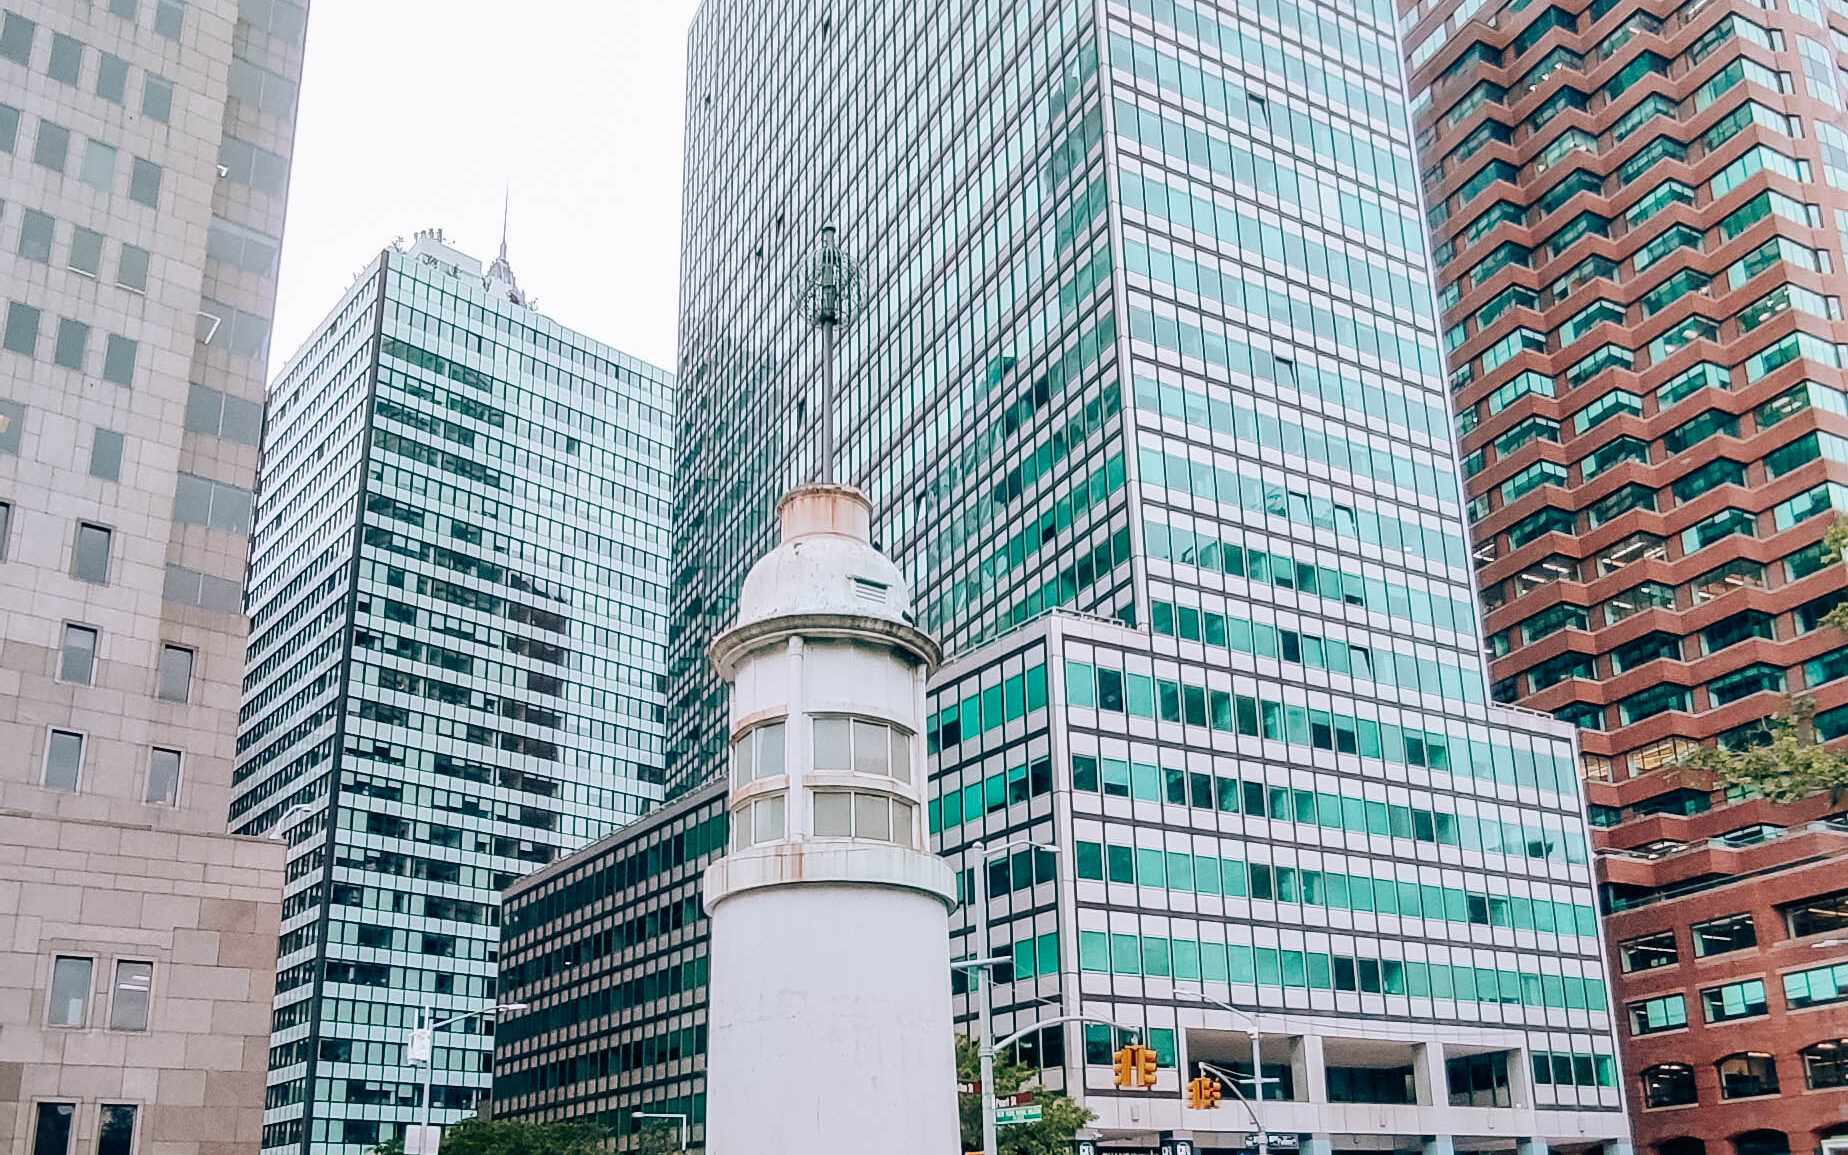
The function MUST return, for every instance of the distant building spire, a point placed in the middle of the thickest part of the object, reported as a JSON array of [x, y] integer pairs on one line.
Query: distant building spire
[[500, 273]]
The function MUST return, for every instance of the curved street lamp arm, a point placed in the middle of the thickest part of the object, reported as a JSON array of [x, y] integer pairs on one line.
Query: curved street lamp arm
[[1027, 1030], [1231, 1080]]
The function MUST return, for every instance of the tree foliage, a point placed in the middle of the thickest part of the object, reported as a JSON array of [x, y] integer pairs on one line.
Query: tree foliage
[[1833, 543], [516, 1137], [1791, 762], [1052, 1135]]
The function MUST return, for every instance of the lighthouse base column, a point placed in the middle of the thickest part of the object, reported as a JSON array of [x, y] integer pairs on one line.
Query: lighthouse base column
[[829, 1023]]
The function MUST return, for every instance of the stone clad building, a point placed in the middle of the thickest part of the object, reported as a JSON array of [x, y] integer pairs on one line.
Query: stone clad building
[[144, 166]]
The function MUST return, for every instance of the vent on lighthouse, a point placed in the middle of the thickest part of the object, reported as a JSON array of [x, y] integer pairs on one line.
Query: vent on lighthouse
[[869, 591]]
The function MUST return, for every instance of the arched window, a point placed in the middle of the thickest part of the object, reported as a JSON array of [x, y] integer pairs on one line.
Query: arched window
[[1762, 1143], [1825, 1064], [1668, 1085], [1747, 1074], [1681, 1145]]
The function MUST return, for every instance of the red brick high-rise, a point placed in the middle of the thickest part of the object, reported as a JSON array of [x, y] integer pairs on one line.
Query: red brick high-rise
[[1638, 212]]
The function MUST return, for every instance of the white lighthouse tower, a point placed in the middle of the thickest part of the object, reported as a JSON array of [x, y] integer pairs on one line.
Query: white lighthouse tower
[[829, 1020]]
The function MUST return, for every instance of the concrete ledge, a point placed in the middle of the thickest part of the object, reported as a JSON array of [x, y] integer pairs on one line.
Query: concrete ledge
[[830, 862]]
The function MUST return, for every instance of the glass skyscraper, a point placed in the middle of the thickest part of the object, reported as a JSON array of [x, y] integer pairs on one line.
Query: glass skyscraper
[[457, 604], [1146, 332]]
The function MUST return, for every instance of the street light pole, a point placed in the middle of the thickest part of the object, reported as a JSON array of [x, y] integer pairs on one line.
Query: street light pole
[[1257, 1061], [423, 1040], [981, 968]]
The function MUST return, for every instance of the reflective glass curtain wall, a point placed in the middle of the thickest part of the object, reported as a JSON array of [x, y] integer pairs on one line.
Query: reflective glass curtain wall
[[454, 677]]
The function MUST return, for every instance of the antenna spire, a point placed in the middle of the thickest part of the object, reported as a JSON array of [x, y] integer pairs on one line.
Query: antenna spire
[[506, 212], [828, 298], [500, 273]]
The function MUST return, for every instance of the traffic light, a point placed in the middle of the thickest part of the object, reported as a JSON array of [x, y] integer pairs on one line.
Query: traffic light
[[1145, 1065], [1126, 1066], [1203, 1094]]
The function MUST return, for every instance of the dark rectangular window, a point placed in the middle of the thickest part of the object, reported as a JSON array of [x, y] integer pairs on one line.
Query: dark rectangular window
[[116, 1133], [51, 1133], [1648, 952], [1722, 935], [1824, 914]]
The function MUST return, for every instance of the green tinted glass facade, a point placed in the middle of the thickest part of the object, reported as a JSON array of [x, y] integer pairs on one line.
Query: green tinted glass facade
[[458, 631]]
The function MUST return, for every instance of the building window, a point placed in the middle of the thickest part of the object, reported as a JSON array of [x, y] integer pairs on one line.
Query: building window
[[850, 814], [1723, 935], [106, 455], [174, 683], [1669, 1085], [51, 1133], [78, 661], [115, 1135], [71, 979], [1744, 1000], [1479, 1080], [1648, 952], [63, 761], [6, 526], [128, 1005], [1667, 1013], [22, 329], [1746, 1075], [1824, 914], [760, 821], [90, 557], [758, 754], [843, 744], [1371, 1085], [1825, 1064], [164, 777]]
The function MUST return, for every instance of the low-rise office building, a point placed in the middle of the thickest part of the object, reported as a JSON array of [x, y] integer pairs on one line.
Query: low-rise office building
[[608, 950]]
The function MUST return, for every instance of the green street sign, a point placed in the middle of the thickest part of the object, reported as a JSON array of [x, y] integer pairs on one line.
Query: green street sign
[[1028, 1114]]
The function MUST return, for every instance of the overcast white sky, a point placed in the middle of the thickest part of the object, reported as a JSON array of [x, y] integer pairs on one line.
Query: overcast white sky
[[416, 113]]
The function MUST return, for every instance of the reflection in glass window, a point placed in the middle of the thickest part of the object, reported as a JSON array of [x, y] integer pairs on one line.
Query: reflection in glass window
[[71, 978]]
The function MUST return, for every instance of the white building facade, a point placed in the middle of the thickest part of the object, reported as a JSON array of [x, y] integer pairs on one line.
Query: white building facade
[[1400, 903]]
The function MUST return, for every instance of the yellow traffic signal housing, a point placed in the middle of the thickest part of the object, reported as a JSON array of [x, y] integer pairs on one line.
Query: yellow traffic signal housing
[[1203, 1094], [1146, 1064], [1126, 1066]]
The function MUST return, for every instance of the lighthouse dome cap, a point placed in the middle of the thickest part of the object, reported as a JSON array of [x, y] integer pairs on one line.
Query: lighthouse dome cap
[[825, 564]]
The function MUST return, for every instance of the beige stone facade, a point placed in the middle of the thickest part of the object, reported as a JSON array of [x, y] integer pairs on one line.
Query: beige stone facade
[[202, 910], [144, 161]]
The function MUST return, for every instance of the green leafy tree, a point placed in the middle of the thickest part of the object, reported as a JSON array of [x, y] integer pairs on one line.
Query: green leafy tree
[[1833, 543], [1791, 762], [1060, 1116], [516, 1137]]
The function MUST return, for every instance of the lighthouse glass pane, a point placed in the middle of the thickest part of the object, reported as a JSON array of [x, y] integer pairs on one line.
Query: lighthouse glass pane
[[767, 819], [769, 756], [872, 817], [741, 759], [833, 814], [832, 744], [871, 748], [901, 756]]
